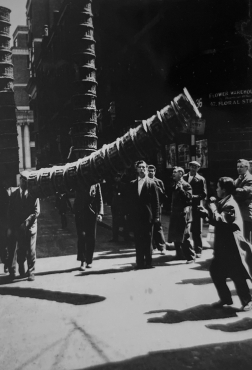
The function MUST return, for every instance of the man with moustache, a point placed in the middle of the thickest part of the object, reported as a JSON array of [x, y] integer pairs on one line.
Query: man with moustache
[[179, 231], [199, 192], [158, 233], [144, 212]]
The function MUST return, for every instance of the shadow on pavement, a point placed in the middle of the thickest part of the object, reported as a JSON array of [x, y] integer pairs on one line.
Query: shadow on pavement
[[231, 356], [112, 270], [240, 325], [49, 295], [202, 312], [202, 281], [203, 265]]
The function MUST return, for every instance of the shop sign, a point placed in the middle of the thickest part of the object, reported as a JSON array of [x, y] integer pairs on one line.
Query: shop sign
[[195, 127], [230, 98]]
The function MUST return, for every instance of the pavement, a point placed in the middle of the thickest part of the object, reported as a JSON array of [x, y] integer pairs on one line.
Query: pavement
[[115, 317]]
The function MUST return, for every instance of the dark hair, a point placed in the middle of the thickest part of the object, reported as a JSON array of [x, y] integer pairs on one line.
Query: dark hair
[[179, 169], [227, 183], [245, 162], [140, 162], [151, 167]]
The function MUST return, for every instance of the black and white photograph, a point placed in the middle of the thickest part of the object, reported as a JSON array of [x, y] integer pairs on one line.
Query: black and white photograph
[[126, 184]]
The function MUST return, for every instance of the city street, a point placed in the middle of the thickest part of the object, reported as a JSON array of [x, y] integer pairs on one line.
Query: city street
[[115, 317]]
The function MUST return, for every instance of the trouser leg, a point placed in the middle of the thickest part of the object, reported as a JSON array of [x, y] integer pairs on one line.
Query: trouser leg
[[115, 225], [218, 275], [81, 242], [197, 241], [12, 255], [139, 248], [248, 230], [31, 253], [147, 246], [178, 249], [158, 236], [187, 248], [90, 239]]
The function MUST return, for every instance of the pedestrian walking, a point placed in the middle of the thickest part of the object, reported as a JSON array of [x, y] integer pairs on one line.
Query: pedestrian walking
[[179, 227], [144, 213], [88, 209], [199, 192], [243, 196], [23, 212], [63, 204], [232, 253], [158, 239]]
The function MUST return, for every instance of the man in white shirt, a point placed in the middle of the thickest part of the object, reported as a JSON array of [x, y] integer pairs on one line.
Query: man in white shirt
[[145, 211]]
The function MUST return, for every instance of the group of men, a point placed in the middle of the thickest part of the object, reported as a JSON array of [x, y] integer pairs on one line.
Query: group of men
[[231, 216]]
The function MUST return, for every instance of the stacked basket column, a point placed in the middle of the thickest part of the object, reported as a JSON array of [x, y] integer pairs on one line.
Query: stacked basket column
[[84, 87], [9, 162]]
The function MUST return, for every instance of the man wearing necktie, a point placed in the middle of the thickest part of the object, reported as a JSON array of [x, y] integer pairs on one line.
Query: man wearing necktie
[[144, 212], [199, 192], [243, 195], [179, 231], [23, 212]]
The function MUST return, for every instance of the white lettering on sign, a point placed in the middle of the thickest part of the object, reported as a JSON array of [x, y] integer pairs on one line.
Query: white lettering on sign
[[228, 98]]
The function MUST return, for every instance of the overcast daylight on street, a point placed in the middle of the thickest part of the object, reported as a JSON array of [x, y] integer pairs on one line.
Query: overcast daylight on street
[[126, 184]]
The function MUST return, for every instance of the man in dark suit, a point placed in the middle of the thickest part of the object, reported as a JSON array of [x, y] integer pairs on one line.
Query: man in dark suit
[[179, 230], [243, 196], [158, 233], [23, 212], [199, 192], [144, 213], [232, 253], [88, 209]]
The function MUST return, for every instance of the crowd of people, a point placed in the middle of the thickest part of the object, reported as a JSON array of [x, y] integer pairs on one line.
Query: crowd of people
[[136, 205]]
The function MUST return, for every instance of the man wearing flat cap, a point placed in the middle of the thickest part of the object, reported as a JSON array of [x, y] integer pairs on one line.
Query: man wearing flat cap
[[243, 196], [23, 212], [199, 192]]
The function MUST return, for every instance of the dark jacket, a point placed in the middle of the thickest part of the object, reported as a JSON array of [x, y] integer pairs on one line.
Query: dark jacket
[[229, 244], [161, 190], [89, 200], [199, 192], [23, 211], [199, 189], [144, 207], [180, 212], [243, 196]]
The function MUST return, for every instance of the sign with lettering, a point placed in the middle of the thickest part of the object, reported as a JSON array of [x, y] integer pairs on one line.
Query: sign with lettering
[[230, 98]]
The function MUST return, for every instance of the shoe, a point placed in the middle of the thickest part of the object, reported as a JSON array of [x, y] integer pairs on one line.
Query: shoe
[[248, 306], [21, 270], [31, 276], [190, 261], [169, 246], [6, 269], [82, 267], [149, 267], [221, 303], [89, 265]]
